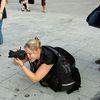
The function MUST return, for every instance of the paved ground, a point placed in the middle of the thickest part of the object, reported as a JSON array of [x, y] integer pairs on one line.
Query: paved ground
[[63, 25]]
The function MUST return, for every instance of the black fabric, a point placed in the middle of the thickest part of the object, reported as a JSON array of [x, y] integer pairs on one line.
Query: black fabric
[[75, 75], [56, 72], [75, 71], [46, 57], [67, 55], [31, 1], [4, 13], [77, 78], [43, 2], [61, 72], [93, 18]]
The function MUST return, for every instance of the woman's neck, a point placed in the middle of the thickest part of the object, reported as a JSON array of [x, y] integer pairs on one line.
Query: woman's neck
[[39, 54]]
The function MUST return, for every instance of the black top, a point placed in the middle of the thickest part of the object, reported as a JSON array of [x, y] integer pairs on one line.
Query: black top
[[4, 13], [46, 57], [49, 57]]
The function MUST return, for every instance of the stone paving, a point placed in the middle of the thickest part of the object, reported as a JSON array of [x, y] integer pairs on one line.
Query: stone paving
[[64, 24]]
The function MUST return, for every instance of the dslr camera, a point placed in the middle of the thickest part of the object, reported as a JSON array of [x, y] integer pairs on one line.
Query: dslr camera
[[21, 54]]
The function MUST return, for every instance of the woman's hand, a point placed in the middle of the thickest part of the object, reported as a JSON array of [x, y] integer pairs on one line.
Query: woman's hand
[[18, 62]]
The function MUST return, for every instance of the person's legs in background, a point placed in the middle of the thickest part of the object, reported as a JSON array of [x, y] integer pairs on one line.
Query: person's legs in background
[[1, 35], [24, 5], [43, 3], [27, 6]]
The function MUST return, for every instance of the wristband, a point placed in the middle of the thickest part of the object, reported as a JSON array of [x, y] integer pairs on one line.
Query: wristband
[[21, 66]]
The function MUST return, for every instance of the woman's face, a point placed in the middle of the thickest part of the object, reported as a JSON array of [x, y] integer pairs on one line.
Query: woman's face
[[32, 56]]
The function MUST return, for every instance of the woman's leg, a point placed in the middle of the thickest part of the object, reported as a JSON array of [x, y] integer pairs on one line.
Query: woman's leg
[[1, 35], [27, 6], [43, 3]]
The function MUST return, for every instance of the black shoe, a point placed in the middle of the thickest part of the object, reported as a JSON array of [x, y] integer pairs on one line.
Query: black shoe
[[22, 10], [44, 84], [25, 6], [71, 90], [97, 61], [28, 10]]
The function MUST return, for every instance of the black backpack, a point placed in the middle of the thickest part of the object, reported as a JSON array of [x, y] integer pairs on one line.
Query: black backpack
[[65, 76]]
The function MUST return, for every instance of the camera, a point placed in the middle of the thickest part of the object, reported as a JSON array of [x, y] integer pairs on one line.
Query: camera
[[21, 54]]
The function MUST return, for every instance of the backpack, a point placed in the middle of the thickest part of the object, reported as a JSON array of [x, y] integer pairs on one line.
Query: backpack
[[65, 76]]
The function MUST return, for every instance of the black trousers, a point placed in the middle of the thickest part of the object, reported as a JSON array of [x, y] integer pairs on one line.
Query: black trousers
[[43, 2], [31, 1]]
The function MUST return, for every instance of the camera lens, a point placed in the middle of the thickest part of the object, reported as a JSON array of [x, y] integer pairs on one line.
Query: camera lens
[[21, 54]]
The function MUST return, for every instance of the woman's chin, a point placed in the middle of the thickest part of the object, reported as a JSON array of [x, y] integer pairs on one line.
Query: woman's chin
[[32, 60]]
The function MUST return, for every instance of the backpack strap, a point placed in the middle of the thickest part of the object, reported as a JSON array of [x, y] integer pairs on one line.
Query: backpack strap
[[53, 50]]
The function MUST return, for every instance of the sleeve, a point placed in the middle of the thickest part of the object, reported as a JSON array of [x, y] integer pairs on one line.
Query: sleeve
[[50, 59]]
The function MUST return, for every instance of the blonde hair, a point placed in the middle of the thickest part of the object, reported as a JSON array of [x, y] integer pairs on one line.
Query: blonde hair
[[33, 44]]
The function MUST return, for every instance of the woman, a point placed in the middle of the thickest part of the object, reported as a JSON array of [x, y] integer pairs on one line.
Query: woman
[[2, 16], [44, 62]]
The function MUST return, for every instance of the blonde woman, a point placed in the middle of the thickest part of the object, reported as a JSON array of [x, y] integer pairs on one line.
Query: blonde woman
[[42, 65]]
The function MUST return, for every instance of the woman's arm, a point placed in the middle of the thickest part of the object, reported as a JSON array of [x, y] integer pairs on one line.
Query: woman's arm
[[38, 75], [2, 6]]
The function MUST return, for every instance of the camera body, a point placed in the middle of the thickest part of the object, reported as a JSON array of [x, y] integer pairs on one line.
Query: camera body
[[21, 54]]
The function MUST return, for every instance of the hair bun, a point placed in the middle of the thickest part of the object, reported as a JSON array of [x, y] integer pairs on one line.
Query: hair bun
[[36, 38]]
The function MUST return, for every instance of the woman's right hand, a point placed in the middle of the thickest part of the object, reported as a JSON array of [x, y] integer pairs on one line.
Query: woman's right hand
[[17, 61]]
